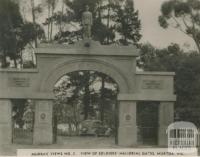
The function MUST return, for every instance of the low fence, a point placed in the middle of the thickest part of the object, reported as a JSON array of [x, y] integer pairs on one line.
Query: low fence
[[147, 135], [22, 136], [184, 138]]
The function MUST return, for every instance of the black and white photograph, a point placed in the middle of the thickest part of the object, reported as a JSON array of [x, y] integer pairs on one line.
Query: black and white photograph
[[99, 78]]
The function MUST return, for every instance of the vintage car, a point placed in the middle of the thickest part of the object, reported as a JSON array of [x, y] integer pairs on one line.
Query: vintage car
[[93, 128]]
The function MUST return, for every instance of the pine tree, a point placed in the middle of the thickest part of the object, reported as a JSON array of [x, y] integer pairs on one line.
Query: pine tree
[[127, 23]]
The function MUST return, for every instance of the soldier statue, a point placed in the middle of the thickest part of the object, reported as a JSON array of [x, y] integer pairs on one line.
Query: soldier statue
[[87, 23]]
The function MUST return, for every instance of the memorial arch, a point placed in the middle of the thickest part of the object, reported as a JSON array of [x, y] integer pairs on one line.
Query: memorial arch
[[118, 62], [85, 64]]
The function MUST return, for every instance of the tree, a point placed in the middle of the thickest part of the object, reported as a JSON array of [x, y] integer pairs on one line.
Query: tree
[[76, 8], [183, 15], [35, 10], [80, 99], [51, 4], [186, 67], [23, 113], [188, 89], [19, 107], [166, 59], [28, 33], [106, 22], [127, 23], [14, 33], [73, 98], [11, 21]]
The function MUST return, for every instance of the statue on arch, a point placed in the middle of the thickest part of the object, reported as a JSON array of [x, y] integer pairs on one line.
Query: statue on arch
[[87, 22]]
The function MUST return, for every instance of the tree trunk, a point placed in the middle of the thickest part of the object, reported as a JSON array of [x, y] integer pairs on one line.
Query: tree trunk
[[108, 23], [75, 111], [34, 19], [4, 62], [125, 40], [51, 29], [61, 18], [196, 42], [21, 59], [116, 121], [48, 26], [55, 128], [70, 127], [77, 129], [102, 97], [15, 62], [51, 25], [86, 101]]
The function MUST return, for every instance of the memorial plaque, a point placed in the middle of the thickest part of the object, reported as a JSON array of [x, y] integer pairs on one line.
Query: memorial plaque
[[19, 82], [43, 116], [152, 84]]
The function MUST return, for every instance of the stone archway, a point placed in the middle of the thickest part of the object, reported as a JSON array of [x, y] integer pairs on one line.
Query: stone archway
[[85, 64], [94, 90], [61, 69], [118, 62]]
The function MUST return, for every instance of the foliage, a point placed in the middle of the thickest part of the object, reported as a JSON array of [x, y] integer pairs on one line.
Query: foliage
[[19, 109], [128, 24], [107, 26], [183, 15], [78, 7], [187, 84], [27, 33], [68, 37], [11, 20], [23, 111], [49, 21], [79, 99], [35, 10], [147, 113], [14, 33], [110, 20], [166, 59]]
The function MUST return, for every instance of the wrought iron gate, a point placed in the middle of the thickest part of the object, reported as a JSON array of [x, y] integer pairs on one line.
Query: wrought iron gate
[[23, 124]]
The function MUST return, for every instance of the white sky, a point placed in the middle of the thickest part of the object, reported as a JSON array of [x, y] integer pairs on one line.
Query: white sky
[[149, 10]]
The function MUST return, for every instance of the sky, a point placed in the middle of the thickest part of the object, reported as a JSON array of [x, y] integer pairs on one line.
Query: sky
[[149, 10]]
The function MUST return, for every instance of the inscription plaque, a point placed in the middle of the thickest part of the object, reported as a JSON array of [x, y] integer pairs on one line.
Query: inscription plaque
[[152, 84], [19, 82]]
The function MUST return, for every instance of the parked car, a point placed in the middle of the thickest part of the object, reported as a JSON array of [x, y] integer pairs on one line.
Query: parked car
[[93, 128]]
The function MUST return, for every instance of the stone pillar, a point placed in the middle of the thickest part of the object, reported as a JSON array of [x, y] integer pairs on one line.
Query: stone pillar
[[127, 131], [43, 131], [166, 117], [5, 122]]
